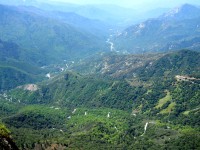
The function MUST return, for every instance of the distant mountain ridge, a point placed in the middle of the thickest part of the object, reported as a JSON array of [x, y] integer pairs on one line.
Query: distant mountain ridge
[[177, 29], [114, 15], [48, 39], [185, 11]]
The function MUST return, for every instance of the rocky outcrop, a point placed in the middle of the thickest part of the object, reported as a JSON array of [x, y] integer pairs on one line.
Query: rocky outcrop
[[6, 143]]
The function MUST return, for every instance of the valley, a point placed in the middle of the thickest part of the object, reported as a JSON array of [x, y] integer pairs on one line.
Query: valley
[[96, 77]]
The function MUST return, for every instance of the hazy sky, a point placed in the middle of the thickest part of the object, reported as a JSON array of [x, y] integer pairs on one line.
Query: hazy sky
[[135, 3]]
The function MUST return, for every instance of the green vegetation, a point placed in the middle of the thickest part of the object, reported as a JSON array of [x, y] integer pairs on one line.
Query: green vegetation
[[184, 62], [124, 101], [4, 131], [11, 77], [75, 110], [92, 92], [96, 100], [46, 117], [14, 71], [164, 100], [44, 39], [169, 109]]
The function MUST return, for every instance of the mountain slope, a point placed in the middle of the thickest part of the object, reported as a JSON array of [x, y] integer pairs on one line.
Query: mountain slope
[[113, 65], [95, 27], [11, 77], [47, 39], [182, 12], [93, 92], [158, 76], [160, 112], [184, 62], [172, 31], [140, 65], [14, 68], [92, 26]]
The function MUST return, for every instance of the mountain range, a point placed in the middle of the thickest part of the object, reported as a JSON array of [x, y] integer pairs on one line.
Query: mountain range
[[62, 88], [114, 15], [177, 29], [44, 38]]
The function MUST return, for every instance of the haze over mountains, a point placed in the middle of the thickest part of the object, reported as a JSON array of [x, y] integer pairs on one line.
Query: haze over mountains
[[176, 29], [50, 37], [99, 76], [109, 13], [88, 36]]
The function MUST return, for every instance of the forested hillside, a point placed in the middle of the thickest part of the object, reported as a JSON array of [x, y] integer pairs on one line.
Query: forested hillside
[[110, 112], [45, 39]]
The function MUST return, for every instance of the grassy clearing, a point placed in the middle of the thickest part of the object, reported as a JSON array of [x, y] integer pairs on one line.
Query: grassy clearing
[[186, 112], [169, 108], [164, 100]]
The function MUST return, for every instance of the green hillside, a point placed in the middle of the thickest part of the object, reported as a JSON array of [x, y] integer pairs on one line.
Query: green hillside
[[44, 39], [17, 69], [72, 90], [184, 62], [71, 110]]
